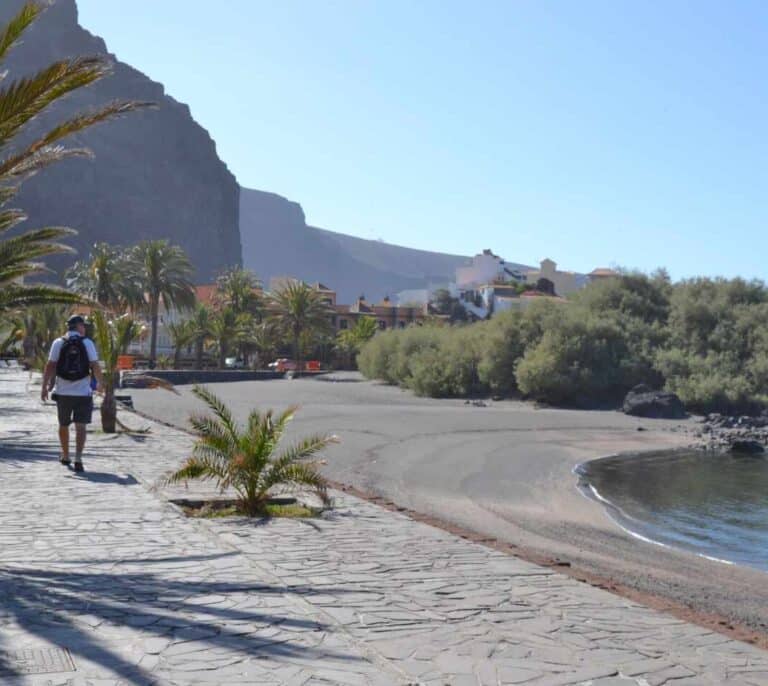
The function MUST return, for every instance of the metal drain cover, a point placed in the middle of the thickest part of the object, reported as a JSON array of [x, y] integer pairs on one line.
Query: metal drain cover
[[35, 661]]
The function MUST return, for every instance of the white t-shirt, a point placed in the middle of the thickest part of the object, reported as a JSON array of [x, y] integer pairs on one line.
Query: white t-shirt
[[81, 386]]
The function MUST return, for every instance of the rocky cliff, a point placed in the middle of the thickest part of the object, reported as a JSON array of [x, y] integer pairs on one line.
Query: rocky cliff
[[278, 242], [156, 173]]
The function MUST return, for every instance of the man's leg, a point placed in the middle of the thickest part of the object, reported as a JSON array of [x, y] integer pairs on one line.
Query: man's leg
[[64, 440], [82, 417], [79, 442], [64, 411]]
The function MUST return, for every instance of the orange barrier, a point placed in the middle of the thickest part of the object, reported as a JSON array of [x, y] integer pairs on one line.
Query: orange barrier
[[125, 362]]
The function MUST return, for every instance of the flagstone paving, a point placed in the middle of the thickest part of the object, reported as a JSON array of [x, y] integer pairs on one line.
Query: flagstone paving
[[101, 575]]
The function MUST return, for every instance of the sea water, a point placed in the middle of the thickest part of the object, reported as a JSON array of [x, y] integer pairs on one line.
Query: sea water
[[712, 504]]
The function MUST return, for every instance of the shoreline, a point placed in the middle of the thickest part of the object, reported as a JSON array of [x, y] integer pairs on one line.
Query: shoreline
[[715, 622], [503, 477]]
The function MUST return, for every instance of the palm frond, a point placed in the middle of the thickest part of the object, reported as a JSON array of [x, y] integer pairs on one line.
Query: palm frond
[[43, 151], [300, 475], [26, 97], [24, 166], [10, 218], [18, 254], [13, 30], [284, 418], [212, 432], [219, 408], [306, 448], [153, 383], [253, 423], [30, 238], [14, 296], [6, 193], [195, 468]]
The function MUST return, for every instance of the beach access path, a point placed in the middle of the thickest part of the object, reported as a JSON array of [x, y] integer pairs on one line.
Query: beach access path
[[103, 582]]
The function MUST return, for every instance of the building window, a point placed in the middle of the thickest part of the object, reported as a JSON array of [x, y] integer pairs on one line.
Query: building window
[[343, 324], [382, 324]]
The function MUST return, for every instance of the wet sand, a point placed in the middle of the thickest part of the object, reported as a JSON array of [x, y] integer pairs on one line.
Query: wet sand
[[502, 474]]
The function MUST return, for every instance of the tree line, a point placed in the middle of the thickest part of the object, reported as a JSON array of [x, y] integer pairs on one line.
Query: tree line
[[153, 279], [705, 339]]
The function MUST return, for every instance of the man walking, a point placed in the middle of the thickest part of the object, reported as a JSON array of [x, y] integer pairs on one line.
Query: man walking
[[70, 362]]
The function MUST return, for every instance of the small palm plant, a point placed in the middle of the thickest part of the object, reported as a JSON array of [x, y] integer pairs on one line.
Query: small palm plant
[[247, 459], [112, 339]]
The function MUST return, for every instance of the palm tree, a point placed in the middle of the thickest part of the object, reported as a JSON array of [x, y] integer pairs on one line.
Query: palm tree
[[12, 334], [299, 310], [21, 101], [264, 338], [246, 459], [39, 326], [349, 341], [112, 339], [229, 329], [182, 334], [201, 331], [162, 273], [239, 288], [105, 278]]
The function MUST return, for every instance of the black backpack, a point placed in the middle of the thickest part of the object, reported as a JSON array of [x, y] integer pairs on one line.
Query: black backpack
[[73, 363]]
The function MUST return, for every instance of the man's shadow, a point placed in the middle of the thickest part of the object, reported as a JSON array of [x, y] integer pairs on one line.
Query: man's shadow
[[105, 478]]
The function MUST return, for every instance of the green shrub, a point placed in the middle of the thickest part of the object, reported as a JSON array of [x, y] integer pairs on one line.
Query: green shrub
[[412, 342], [579, 360], [504, 346], [378, 356], [705, 339], [429, 375]]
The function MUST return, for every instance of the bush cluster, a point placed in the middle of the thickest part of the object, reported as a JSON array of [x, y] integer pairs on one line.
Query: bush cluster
[[704, 339]]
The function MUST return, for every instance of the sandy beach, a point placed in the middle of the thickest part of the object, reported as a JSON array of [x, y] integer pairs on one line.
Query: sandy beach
[[502, 473]]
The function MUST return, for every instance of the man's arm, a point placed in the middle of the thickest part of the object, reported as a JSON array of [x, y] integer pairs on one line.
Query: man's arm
[[93, 358], [96, 369], [49, 379]]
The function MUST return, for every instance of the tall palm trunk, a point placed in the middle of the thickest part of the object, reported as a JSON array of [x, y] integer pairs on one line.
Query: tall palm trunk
[[199, 353], [154, 318], [222, 353], [297, 347]]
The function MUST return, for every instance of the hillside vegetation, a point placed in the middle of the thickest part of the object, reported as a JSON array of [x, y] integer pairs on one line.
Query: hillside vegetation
[[704, 339]]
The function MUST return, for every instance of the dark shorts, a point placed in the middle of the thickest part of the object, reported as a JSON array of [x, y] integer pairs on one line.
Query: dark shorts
[[74, 408]]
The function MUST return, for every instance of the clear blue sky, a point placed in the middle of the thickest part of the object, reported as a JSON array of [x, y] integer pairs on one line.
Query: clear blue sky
[[595, 133]]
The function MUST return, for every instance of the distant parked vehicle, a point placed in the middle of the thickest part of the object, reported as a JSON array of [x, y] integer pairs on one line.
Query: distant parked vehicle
[[234, 363], [283, 364]]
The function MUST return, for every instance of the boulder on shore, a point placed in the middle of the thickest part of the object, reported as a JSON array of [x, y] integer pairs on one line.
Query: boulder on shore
[[747, 447], [643, 401]]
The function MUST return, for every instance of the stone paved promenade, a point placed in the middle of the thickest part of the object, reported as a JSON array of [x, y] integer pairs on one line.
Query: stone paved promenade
[[104, 583]]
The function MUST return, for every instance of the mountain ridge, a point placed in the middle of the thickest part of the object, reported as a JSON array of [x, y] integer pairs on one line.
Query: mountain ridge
[[349, 265], [155, 174]]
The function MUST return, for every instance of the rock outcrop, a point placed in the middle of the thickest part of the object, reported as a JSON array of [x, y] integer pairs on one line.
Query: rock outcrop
[[642, 401], [738, 434], [156, 174], [747, 447]]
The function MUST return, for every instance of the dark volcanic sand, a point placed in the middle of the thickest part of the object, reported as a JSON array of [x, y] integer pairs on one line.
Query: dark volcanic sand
[[502, 472]]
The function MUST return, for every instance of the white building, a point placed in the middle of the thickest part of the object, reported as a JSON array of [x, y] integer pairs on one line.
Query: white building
[[564, 283], [485, 268]]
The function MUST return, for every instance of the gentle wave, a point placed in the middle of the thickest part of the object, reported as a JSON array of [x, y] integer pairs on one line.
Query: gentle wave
[[714, 506]]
